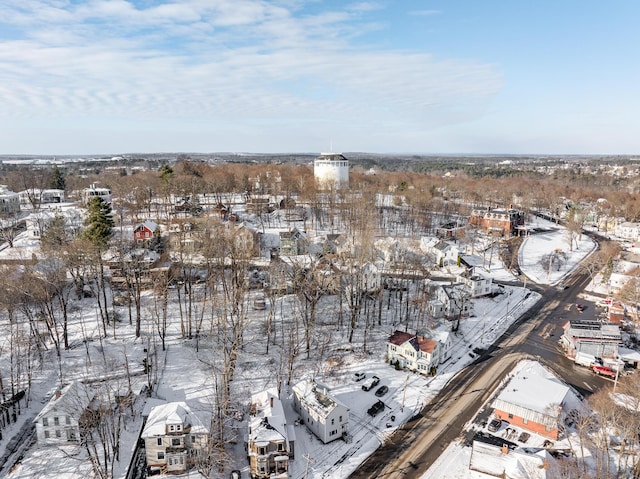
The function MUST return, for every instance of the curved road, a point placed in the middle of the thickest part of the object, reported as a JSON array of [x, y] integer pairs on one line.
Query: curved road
[[416, 445]]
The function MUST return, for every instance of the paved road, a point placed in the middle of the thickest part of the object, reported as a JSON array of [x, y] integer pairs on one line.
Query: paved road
[[415, 446]]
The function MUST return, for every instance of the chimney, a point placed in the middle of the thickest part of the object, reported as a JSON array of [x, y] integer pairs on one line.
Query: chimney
[[271, 401]]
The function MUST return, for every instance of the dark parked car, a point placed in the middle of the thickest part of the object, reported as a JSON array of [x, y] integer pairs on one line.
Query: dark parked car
[[376, 408], [382, 390], [494, 425]]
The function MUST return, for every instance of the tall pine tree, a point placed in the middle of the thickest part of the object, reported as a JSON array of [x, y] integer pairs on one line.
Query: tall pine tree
[[99, 224]]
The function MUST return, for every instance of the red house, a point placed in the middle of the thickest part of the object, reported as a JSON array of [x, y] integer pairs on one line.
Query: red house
[[145, 231]]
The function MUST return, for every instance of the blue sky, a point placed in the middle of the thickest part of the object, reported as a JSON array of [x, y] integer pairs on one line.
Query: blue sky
[[420, 76]]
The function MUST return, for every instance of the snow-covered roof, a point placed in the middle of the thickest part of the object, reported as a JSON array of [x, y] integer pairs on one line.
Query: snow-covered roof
[[268, 422], [532, 395], [72, 399], [172, 413], [524, 463], [316, 397]]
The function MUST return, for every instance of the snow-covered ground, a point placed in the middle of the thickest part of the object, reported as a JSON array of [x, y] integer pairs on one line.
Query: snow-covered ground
[[454, 462], [185, 374]]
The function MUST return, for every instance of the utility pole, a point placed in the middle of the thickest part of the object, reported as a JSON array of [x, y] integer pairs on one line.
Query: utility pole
[[404, 392]]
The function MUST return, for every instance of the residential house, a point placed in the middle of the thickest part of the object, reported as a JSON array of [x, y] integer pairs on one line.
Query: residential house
[[59, 420], [498, 221], [9, 201], [292, 242], [627, 230], [533, 402], [35, 197], [477, 283], [270, 444], [443, 252], [93, 191], [413, 352], [591, 337], [322, 413], [175, 438], [452, 230], [450, 301], [145, 231], [513, 463]]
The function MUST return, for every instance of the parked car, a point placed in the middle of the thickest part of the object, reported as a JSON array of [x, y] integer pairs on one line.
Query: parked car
[[580, 307], [494, 425], [524, 436], [603, 371], [359, 376], [376, 408], [382, 390], [371, 383], [235, 474], [561, 286]]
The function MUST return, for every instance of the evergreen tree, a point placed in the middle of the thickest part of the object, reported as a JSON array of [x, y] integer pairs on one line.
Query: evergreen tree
[[57, 179], [99, 223]]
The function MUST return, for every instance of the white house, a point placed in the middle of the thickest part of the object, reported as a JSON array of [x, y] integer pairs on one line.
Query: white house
[[94, 190], [174, 438], [413, 352], [9, 201], [451, 301], [322, 413], [477, 283], [58, 422], [36, 196], [443, 252], [627, 230], [270, 443]]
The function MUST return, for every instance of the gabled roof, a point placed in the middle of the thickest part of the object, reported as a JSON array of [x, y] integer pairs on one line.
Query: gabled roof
[[399, 338], [150, 225], [72, 399], [419, 343], [268, 421], [172, 413]]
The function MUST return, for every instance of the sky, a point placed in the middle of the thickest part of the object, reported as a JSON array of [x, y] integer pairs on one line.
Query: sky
[[381, 76]]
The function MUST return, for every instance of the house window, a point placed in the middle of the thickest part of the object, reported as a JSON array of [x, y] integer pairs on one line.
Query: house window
[[280, 446], [45, 421], [71, 435], [262, 451], [160, 455], [172, 428], [46, 434], [67, 420], [56, 421], [333, 421], [159, 441], [178, 427], [193, 439], [58, 433], [510, 416], [175, 441], [340, 419], [525, 421]]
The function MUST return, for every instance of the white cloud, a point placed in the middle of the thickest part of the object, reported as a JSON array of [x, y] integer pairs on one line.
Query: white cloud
[[248, 60]]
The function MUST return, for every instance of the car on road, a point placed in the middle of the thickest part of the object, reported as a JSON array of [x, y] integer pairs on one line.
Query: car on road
[[371, 383], [561, 286], [382, 390], [494, 425], [376, 408], [359, 376]]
